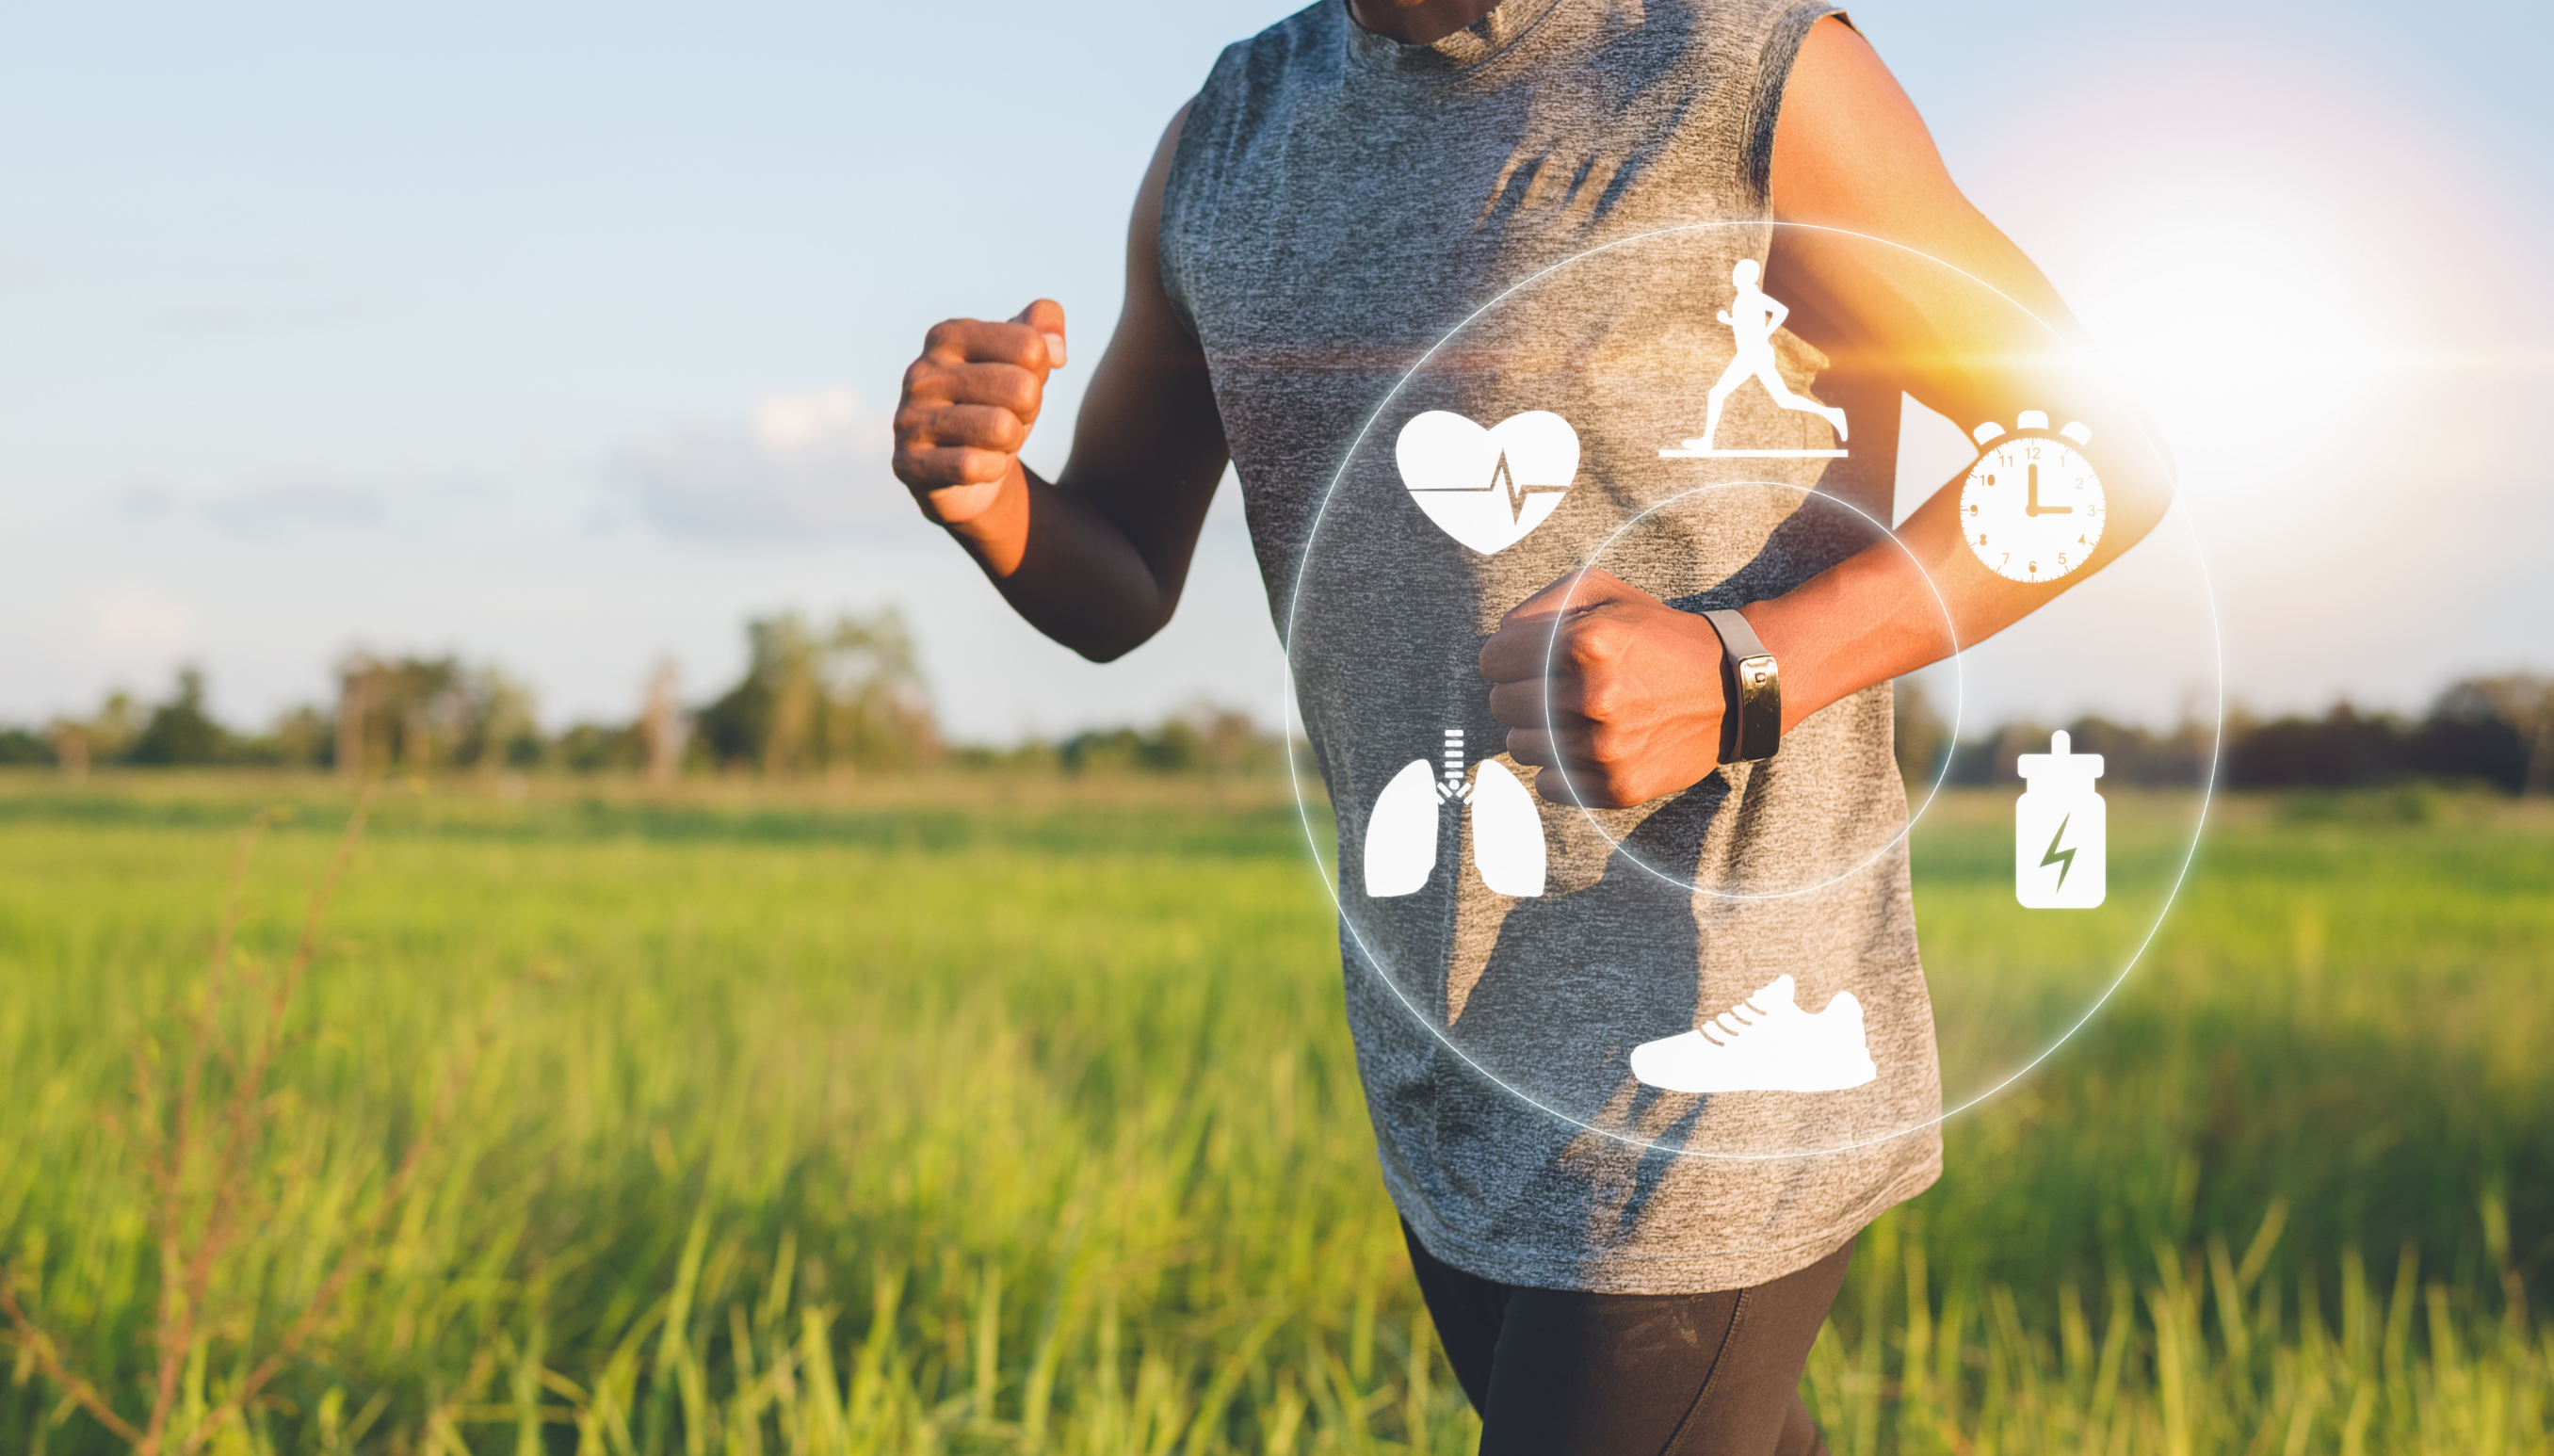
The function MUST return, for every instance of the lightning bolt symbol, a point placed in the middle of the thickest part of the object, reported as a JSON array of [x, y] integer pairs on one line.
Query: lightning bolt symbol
[[2063, 859]]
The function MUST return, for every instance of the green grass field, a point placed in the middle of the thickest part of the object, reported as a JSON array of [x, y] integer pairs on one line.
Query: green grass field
[[982, 1116]]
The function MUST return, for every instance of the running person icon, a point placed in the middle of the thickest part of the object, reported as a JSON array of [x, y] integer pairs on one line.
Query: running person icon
[[1752, 315]]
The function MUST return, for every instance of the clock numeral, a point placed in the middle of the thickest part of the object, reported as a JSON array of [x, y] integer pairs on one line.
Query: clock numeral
[[2061, 561], [2031, 452], [2008, 557]]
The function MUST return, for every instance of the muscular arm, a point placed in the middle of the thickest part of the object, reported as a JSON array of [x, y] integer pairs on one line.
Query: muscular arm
[[1850, 153], [1095, 558], [1636, 695]]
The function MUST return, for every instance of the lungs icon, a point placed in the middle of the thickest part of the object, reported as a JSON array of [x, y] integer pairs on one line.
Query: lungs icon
[[1507, 832], [1401, 833]]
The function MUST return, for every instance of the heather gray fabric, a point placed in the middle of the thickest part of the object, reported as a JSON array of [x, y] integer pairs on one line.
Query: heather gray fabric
[[1339, 202]]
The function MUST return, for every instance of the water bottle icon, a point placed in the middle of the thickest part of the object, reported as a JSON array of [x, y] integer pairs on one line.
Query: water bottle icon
[[2060, 830]]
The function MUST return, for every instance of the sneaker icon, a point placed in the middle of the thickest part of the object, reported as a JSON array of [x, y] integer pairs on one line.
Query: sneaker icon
[[1765, 1043]]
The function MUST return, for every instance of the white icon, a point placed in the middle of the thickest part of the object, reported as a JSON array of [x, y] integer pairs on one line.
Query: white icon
[[1765, 1043], [1487, 487], [2031, 508], [2058, 830], [1401, 833], [1753, 315]]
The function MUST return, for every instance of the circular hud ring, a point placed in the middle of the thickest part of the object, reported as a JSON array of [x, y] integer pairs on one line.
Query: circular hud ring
[[1690, 451]]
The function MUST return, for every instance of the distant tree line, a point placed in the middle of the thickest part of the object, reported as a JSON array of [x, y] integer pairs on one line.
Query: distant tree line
[[848, 697], [2484, 731], [816, 699], [1200, 739], [836, 698]]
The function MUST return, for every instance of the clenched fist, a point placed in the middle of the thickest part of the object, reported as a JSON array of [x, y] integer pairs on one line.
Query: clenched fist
[[1631, 685], [969, 405]]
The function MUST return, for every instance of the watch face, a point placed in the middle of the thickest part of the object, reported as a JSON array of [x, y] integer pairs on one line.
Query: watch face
[[2032, 508]]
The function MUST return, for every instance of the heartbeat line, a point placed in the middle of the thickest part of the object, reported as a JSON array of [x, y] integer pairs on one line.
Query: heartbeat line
[[2064, 860], [1501, 477]]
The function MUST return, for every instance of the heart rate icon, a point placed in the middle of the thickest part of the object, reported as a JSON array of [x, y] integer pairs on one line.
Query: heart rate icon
[[1487, 488]]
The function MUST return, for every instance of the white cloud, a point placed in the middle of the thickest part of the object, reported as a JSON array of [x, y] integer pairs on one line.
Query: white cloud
[[287, 506], [304, 501], [812, 462], [131, 629]]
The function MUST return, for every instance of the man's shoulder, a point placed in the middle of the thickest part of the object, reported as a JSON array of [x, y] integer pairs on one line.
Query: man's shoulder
[[1253, 77], [1308, 39]]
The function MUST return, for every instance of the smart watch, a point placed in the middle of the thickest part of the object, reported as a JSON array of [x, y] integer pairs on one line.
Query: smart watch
[[1751, 718]]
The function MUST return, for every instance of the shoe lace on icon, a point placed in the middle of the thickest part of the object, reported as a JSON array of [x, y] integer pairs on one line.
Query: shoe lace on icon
[[1732, 1024]]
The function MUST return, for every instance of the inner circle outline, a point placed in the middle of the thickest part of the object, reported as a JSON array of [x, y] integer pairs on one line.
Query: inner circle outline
[[1959, 691]]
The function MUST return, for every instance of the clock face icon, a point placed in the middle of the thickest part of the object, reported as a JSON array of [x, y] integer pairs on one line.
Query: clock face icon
[[2032, 509]]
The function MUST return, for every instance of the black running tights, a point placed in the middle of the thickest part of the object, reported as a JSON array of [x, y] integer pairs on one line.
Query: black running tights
[[1563, 1373]]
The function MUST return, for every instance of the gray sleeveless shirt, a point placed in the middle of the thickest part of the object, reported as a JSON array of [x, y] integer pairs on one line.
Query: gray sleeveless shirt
[[1341, 210]]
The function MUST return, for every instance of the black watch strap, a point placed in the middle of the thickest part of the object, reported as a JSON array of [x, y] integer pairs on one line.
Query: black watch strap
[[1751, 716]]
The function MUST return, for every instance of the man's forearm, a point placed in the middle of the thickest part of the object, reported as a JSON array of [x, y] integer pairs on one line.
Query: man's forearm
[[1895, 607], [1867, 620], [1067, 568]]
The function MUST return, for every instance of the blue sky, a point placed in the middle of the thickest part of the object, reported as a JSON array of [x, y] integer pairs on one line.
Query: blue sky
[[566, 339]]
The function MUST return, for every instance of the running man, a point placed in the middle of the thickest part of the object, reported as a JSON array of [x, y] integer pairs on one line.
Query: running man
[[1347, 187], [1753, 315]]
